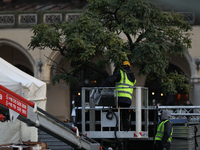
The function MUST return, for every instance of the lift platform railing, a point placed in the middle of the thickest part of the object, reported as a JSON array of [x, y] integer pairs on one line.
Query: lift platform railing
[[94, 117]]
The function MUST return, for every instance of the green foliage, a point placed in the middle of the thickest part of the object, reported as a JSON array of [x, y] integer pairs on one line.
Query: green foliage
[[151, 35], [45, 36], [174, 82]]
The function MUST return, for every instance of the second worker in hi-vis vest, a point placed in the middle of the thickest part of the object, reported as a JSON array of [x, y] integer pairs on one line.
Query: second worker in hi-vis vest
[[123, 78], [164, 133]]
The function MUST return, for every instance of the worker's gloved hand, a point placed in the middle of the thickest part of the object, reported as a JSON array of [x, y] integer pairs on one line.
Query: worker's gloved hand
[[159, 145], [166, 146]]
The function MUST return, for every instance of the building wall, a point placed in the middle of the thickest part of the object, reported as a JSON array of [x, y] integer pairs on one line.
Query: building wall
[[58, 96]]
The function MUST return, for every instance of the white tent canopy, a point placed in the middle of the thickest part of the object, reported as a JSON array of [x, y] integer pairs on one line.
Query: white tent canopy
[[21, 83], [28, 87]]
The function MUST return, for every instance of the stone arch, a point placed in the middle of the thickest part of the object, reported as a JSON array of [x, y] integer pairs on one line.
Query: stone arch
[[59, 95], [21, 49], [192, 67], [56, 57], [190, 63], [53, 57], [183, 63]]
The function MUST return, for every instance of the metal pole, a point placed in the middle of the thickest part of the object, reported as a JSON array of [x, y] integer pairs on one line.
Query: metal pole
[[83, 110], [138, 110], [145, 95], [92, 116]]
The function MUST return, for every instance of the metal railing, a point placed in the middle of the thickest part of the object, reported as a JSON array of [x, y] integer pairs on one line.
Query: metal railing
[[191, 113], [94, 121]]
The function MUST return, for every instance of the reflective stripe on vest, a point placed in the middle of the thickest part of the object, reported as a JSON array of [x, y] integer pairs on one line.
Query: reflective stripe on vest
[[124, 82], [160, 131]]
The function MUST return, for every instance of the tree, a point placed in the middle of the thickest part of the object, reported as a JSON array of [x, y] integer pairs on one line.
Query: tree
[[151, 36]]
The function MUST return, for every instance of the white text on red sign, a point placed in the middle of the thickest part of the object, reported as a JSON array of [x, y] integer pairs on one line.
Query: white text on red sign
[[16, 105]]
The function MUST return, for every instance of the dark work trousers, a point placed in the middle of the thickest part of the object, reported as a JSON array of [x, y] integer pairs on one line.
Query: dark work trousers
[[159, 146], [124, 113]]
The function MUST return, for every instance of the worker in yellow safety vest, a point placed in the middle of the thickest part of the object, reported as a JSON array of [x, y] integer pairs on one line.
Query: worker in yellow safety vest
[[123, 78], [164, 133]]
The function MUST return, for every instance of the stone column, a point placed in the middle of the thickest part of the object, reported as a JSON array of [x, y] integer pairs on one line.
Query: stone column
[[196, 98], [195, 81]]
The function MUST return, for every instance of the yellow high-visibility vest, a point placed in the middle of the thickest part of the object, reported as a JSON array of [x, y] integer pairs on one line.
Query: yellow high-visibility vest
[[160, 131], [125, 82]]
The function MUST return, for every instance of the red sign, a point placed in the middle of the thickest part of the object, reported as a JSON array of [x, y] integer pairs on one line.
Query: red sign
[[13, 103]]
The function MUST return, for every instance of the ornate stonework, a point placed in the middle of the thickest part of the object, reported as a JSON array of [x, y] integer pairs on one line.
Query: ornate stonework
[[27, 19], [188, 16], [7, 19], [52, 18], [72, 16]]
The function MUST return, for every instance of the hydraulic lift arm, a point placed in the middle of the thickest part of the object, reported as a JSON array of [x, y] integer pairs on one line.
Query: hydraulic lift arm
[[13, 106]]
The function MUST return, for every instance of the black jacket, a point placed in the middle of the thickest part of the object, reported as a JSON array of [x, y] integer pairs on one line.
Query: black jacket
[[116, 77], [167, 131], [163, 143]]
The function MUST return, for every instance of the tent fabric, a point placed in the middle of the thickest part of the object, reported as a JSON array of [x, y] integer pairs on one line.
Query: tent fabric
[[28, 87], [21, 82], [7, 135]]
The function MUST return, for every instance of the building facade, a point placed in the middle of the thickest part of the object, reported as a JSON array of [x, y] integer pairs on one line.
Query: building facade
[[16, 20]]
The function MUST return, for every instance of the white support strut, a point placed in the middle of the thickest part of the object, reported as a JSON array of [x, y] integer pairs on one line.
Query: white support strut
[[138, 111]]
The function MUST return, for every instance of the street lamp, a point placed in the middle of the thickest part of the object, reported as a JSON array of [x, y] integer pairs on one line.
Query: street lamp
[[197, 62]]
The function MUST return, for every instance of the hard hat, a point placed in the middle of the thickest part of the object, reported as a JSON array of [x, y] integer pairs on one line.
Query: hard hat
[[126, 63]]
